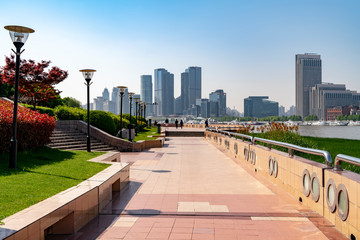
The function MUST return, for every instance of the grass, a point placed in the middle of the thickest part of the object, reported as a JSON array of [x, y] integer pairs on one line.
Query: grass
[[40, 174], [144, 135], [336, 146]]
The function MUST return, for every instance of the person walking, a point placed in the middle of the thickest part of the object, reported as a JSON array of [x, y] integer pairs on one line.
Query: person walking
[[176, 123], [181, 123], [206, 123]]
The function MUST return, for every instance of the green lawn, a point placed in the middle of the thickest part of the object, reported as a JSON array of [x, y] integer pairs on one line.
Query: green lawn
[[145, 133], [40, 174], [337, 145]]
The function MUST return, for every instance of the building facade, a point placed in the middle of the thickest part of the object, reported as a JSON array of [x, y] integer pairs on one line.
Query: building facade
[[329, 95], [308, 74], [218, 96], [190, 86], [259, 106], [164, 92], [146, 90]]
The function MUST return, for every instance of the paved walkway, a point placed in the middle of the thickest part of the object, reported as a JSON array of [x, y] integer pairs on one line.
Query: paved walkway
[[191, 190]]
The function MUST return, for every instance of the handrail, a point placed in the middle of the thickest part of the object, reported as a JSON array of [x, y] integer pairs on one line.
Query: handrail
[[345, 158], [292, 147], [251, 138]]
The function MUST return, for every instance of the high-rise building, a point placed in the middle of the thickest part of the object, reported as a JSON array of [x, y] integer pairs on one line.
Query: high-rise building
[[105, 94], [308, 74], [178, 108], [164, 92], [190, 86], [185, 91], [98, 103], [115, 98], [218, 96], [281, 111], [146, 88], [259, 106], [205, 108], [329, 95]]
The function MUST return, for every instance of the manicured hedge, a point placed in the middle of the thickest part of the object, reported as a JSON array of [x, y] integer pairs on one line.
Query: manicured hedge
[[69, 113], [47, 110], [33, 128], [102, 120]]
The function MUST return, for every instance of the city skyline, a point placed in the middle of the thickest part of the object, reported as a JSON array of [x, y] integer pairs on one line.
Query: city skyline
[[246, 48]]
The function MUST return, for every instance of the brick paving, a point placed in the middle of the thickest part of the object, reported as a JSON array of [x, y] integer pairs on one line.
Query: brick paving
[[191, 190]]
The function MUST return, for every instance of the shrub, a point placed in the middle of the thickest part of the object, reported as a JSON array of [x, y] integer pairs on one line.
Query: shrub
[[127, 117], [102, 120], [69, 113], [42, 110], [34, 128]]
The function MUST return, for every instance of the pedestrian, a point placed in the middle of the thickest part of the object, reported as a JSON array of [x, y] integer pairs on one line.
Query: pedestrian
[[166, 122], [206, 123], [181, 123], [176, 123]]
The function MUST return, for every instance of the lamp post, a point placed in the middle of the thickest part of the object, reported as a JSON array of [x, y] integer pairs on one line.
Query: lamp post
[[137, 99], [18, 35], [131, 94], [122, 91], [88, 74]]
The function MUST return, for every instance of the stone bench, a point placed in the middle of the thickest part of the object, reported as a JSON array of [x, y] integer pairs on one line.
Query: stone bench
[[68, 211]]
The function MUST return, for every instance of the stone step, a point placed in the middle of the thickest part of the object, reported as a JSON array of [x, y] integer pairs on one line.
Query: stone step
[[75, 140]]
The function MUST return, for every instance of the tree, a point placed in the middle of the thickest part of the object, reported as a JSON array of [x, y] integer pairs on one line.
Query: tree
[[311, 118], [36, 84], [71, 102]]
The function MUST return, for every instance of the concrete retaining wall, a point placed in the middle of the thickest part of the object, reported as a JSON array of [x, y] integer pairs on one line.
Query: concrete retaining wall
[[70, 210], [291, 174]]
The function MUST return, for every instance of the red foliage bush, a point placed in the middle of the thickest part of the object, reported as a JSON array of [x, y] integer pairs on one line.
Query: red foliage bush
[[33, 129]]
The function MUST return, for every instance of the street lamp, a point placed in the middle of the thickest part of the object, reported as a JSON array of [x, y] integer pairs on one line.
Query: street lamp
[[131, 94], [122, 91], [137, 100], [18, 35], [88, 74]]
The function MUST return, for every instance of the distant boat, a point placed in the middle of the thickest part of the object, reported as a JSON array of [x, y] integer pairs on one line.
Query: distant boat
[[337, 123], [354, 123], [319, 123]]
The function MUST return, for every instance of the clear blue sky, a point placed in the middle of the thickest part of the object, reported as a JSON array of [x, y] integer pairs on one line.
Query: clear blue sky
[[244, 47]]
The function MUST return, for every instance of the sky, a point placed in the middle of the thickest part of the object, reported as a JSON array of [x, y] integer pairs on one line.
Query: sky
[[245, 47]]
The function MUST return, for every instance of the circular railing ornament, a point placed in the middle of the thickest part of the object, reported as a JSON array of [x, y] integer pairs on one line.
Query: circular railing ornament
[[306, 182], [271, 166], [253, 156], [342, 202], [275, 167], [236, 148], [331, 195], [246, 153], [315, 187]]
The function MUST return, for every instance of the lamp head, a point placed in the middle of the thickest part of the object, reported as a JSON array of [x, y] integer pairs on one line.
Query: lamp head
[[131, 94], [88, 73], [122, 88], [19, 34]]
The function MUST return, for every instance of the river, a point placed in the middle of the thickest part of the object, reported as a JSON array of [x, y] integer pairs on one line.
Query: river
[[348, 132]]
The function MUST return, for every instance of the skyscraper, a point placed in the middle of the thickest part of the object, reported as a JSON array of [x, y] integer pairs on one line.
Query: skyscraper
[[116, 99], [164, 92], [190, 86], [184, 91], [146, 92], [308, 74], [105, 94], [259, 106], [218, 96]]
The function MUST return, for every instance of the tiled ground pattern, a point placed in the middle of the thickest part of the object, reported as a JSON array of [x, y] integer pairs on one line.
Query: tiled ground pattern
[[191, 190]]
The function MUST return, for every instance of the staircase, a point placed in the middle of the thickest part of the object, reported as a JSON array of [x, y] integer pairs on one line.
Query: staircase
[[71, 139]]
